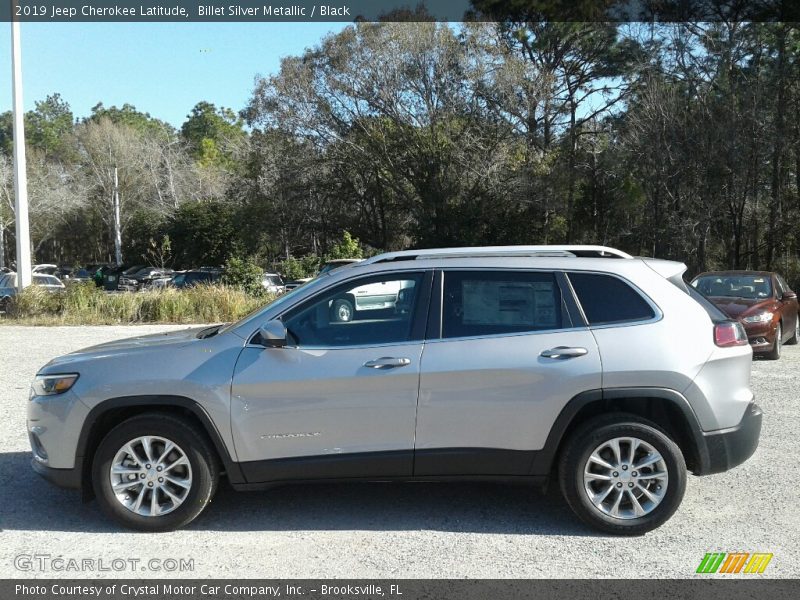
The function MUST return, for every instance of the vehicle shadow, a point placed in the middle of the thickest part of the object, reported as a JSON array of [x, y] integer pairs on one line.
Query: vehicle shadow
[[30, 503]]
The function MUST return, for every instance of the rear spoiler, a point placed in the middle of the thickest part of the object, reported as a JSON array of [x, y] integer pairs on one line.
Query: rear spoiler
[[668, 269]]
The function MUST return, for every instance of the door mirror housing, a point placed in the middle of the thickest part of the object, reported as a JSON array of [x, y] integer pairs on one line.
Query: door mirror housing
[[273, 334], [789, 296]]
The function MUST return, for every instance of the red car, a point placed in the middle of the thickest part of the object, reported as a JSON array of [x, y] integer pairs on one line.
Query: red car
[[761, 301]]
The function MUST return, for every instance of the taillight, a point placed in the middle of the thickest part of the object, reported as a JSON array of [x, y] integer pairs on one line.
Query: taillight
[[729, 333]]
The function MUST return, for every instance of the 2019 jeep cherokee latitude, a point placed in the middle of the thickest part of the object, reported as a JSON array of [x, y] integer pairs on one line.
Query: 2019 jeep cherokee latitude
[[516, 363]]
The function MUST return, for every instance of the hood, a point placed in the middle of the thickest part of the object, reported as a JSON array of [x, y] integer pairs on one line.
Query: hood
[[737, 307], [130, 345]]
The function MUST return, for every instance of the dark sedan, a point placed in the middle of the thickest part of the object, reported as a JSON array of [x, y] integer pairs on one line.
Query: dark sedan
[[761, 301]]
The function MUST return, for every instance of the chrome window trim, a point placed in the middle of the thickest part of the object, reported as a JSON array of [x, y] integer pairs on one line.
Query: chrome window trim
[[495, 336]]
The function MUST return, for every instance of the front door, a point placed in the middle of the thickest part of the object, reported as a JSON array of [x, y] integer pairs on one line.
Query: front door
[[340, 399]]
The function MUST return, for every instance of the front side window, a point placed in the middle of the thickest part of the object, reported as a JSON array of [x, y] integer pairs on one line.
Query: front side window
[[368, 311], [606, 300], [479, 303]]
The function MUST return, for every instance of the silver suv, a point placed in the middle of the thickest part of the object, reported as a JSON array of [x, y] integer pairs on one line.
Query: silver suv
[[579, 363]]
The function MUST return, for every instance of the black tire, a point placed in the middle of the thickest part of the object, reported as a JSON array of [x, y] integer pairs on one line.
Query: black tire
[[775, 352], [592, 434], [792, 341], [201, 456], [342, 311]]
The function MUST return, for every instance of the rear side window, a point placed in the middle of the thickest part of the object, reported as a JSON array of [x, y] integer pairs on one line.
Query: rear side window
[[499, 302], [606, 299]]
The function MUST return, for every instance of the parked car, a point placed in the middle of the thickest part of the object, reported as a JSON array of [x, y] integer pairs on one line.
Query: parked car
[[510, 386], [273, 283], [113, 275], [81, 274], [8, 286], [45, 269], [761, 301], [144, 278], [329, 266], [191, 278]]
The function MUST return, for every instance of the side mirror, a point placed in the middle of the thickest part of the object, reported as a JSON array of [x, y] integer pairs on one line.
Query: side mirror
[[789, 296], [273, 334]]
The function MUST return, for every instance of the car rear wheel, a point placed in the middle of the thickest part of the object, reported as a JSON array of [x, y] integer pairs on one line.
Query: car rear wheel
[[775, 352], [622, 474], [793, 340], [154, 472]]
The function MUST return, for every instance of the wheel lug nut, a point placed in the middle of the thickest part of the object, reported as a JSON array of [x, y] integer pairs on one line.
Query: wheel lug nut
[[148, 466], [630, 485], [635, 474], [619, 485], [141, 476], [624, 467], [160, 480], [159, 469], [150, 484], [615, 474]]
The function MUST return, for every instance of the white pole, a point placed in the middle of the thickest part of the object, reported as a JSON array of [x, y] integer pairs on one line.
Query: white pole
[[117, 230], [20, 175]]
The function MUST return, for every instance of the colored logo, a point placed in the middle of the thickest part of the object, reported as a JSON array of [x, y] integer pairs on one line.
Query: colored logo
[[734, 562]]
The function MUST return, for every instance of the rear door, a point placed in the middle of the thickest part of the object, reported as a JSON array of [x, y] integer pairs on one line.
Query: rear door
[[498, 367]]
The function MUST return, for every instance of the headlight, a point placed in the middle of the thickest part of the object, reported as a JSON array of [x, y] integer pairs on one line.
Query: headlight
[[49, 385], [764, 317]]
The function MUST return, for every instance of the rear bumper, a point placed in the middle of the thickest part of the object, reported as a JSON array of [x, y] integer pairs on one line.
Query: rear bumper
[[723, 450]]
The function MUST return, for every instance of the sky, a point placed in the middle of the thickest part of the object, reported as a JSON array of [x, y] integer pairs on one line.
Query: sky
[[160, 68]]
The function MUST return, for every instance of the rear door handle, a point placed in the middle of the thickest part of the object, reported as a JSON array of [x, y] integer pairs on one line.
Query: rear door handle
[[387, 362], [563, 352]]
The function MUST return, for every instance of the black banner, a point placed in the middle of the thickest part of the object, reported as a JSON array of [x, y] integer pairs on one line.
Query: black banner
[[399, 589], [398, 10]]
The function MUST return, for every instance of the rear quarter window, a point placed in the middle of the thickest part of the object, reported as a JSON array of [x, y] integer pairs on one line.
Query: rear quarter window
[[607, 300]]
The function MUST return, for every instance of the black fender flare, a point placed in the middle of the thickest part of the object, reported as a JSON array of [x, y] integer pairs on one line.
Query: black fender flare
[[544, 459], [232, 467]]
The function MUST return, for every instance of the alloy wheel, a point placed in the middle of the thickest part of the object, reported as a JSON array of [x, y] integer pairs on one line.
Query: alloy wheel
[[625, 478], [151, 476]]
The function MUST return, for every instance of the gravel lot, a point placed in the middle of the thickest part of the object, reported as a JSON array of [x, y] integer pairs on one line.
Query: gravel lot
[[401, 530]]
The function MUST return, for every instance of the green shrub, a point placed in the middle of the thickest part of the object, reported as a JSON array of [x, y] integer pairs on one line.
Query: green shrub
[[298, 268], [348, 247], [244, 274]]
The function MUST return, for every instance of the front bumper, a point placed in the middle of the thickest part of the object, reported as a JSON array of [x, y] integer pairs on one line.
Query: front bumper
[[724, 449], [761, 336], [66, 478]]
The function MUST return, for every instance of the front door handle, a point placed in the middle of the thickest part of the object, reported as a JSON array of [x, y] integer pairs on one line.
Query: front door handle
[[387, 362], [563, 352]]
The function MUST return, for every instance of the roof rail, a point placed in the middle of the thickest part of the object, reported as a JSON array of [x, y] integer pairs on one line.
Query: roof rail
[[571, 251]]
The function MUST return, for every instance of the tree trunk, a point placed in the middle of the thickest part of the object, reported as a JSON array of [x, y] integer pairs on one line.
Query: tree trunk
[[777, 153]]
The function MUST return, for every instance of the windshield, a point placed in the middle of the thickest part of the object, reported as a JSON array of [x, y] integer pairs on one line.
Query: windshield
[[753, 287]]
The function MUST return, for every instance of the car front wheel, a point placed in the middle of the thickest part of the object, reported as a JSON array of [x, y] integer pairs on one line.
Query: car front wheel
[[622, 474], [775, 352], [792, 341], [154, 473]]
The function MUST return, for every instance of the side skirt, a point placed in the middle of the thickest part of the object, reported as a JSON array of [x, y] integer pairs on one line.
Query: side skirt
[[440, 464]]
